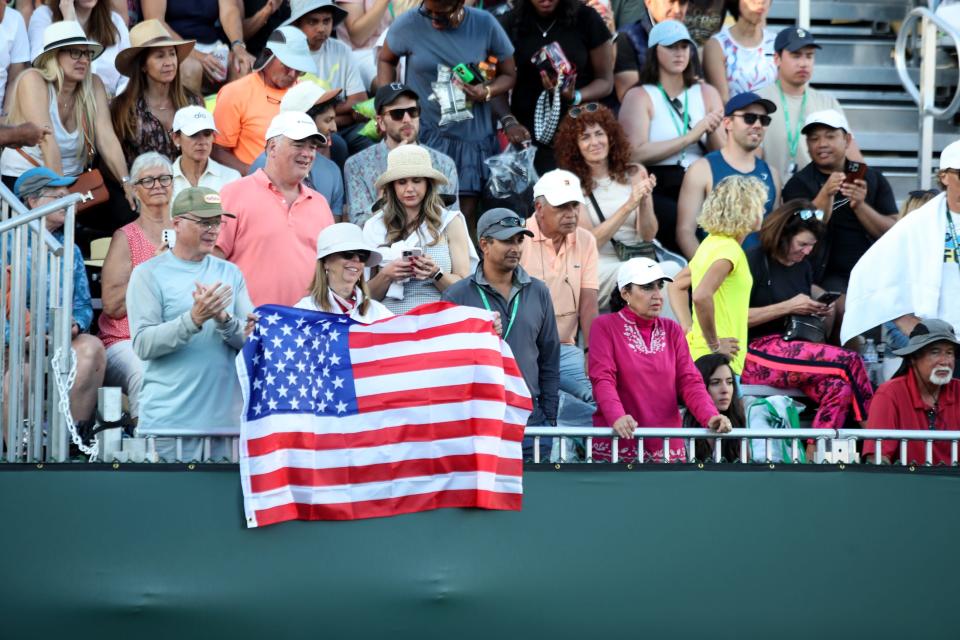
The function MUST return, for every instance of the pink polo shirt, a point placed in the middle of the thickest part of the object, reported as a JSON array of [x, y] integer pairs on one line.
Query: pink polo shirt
[[275, 247]]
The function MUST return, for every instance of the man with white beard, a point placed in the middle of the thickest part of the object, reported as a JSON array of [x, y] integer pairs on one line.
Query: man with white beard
[[922, 395]]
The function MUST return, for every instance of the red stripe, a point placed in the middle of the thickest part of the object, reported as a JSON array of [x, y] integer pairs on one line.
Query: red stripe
[[430, 307], [511, 368], [364, 339], [464, 498], [520, 402], [432, 395], [385, 472], [388, 435], [428, 361]]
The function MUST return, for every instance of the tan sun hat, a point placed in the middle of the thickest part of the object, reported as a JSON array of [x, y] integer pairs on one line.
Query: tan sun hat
[[147, 35], [409, 161]]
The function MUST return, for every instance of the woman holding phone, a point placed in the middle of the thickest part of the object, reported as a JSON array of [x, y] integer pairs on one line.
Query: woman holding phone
[[425, 247], [783, 288]]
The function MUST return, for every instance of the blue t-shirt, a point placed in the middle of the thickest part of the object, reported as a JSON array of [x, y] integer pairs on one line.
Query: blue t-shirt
[[476, 38], [761, 171], [324, 177]]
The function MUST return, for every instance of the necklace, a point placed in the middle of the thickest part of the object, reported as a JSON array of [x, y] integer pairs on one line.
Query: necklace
[[544, 32]]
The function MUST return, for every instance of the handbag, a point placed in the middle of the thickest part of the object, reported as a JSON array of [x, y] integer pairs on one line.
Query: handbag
[[806, 328], [627, 250]]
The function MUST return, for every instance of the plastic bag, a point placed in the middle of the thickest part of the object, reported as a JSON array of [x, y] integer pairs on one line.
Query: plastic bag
[[510, 185], [775, 412], [454, 106], [369, 128]]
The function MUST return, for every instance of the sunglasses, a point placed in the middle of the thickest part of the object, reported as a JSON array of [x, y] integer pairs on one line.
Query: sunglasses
[[806, 214], [397, 114], [750, 119], [509, 223], [590, 107], [76, 54], [442, 19], [206, 223], [362, 256], [147, 183]]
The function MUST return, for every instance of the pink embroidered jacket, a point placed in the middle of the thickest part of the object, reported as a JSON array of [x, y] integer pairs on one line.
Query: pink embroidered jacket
[[643, 368]]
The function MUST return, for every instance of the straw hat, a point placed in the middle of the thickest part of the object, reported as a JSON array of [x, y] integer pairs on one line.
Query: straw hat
[[147, 35], [64, 34], [409, 161]]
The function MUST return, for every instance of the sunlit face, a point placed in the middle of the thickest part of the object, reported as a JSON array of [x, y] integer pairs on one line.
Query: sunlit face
[[407, 128], [75, 62], [720, 387], [317, 26], [197, 234], [556, 221], [645, 300], [828, 147], [594, 144], [196, 147], [503, 254], [157, 195], [277, 75], [291, 158], [796, 67], [661, 10], [410, 191], [675, 58], [800, 247], [161, 64], [935, 363], [344, 269], [754, 10], [747, 136]]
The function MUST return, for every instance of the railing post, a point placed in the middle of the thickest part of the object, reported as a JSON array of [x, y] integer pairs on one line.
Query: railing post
[[928, 76], [803, 14]]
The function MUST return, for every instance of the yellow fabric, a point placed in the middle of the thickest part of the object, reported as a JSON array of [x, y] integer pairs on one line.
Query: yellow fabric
[[731, 301]]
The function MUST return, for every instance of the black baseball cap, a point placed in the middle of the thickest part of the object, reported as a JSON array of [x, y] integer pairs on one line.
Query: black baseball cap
[[389, 92], [793, 39], [744, 100]]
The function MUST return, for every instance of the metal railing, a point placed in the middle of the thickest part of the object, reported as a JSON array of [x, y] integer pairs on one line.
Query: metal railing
[[34, 423], [930, 24]]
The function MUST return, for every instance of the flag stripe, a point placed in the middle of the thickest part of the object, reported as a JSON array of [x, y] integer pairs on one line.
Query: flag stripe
[[430, 396], [427, 346], [452, 376], [440, 360], [468, 326]]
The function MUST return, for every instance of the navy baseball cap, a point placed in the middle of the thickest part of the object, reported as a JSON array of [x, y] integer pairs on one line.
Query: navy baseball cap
[[744, 100], [39, 178], [793, 39]]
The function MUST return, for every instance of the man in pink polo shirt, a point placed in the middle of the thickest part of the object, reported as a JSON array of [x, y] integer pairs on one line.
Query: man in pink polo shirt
[[273, 238], [564, 256]]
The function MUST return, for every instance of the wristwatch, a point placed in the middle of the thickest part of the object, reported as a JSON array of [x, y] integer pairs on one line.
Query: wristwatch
[[438, 275], [238, 42]]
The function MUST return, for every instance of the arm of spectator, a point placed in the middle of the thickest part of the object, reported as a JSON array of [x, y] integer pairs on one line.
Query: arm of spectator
[[801, 304], [33, 98], [232, 331], [387, 62], [115, 276], [706, 311], [716, 137], [256, 21], [875, 223], [240, 61], [150, 335], [121, 8], [26, 134], [362, 23], [640, 190], [636, 114], [588, 311], [157, 10], [601, 59], [679, 297], [516, 133], [623, 81], [602, 365], [626, 75], [907, 323], [693, 192], [548, 359], [775, 175], [825, 197], [106, 140], [15, 70], [588, 308], [715, 68]]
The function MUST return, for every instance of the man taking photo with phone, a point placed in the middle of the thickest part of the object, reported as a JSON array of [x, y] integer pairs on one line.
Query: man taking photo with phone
[[857, 200]]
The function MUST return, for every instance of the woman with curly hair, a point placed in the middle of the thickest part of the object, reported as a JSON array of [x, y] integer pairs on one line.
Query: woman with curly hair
[[719, 273], [592, 145]]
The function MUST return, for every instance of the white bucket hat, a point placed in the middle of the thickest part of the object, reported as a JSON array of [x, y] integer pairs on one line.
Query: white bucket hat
[[409, 161], [66, 33], [305, 94], [289, 46], [345, 236]]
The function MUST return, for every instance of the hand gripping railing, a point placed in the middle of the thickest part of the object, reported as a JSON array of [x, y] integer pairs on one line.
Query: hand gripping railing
[[923, 95], [31, 401]]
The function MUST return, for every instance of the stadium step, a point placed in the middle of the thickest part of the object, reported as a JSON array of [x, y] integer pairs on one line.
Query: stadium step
[[844, 10]]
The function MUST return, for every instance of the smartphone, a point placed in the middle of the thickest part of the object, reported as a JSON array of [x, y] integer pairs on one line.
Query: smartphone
[[168, 237], [855, 170], [829, 297], [468, 73], [411, 253]]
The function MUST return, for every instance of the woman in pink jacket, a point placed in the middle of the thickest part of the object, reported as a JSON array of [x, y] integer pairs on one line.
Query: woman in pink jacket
[[640, 366]]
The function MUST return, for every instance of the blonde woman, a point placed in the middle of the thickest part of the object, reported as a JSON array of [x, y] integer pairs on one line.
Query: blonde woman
[[425, 246], [60, 92], [338, 284], [719, 273]]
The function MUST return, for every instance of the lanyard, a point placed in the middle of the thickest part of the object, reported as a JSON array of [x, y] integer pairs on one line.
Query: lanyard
[[681, 121], [952, 230], [793, 137], [513, 311]]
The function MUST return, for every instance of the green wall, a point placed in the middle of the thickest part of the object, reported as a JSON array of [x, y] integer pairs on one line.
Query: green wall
[[654, 553]]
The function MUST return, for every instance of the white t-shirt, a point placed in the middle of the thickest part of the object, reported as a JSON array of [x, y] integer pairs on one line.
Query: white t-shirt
[[103, 66], [949, 308], [14, 45], [336, 68]]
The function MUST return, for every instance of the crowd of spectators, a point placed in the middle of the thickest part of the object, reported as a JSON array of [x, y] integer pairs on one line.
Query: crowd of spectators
[[332, 154]]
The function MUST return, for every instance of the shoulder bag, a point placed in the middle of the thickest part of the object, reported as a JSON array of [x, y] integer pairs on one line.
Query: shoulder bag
[[626, 250]]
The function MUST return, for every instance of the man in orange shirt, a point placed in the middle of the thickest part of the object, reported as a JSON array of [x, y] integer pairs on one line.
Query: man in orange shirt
[[274, 236], [246, 106], [564, 256]]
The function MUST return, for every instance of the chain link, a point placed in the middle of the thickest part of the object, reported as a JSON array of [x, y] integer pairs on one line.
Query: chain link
[[63, 389]]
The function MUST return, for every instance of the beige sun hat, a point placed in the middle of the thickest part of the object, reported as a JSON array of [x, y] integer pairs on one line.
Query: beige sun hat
[[409, 161], [147, 35], [63, 34]]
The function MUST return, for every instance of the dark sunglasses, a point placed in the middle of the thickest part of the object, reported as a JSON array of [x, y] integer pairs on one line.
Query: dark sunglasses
[[397, 114], [750, 119], [362, 256], [806, 214], [442, 19], [590, 107]]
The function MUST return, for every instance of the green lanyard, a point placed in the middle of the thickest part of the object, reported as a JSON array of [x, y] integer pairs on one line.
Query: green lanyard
[[953, 233], [681, 122], [793, 137], [513, 311]]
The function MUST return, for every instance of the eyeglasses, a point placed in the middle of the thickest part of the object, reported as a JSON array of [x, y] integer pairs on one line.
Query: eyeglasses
[[651, 286], [147, 183], [76, 54], [206, 223], [509, 223], [750, 119], [362, 256], [806, 214], [590, 107], [442, 19], [397, 114]]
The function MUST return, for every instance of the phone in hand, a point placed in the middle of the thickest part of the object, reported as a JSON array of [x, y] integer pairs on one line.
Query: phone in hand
[[829, 297], [854, 170], [168, 237], [468, 73], [414, 252]]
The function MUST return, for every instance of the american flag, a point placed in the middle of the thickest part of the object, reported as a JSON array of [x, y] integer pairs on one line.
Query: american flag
[[343, 420]]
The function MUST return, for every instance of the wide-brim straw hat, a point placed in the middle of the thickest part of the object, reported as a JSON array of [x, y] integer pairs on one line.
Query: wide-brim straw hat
[[409, 161], [148, 35], [64, 34]]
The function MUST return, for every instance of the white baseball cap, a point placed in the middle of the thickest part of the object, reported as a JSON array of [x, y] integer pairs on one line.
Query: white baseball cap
[[295, 125], [305, 94], [559, 187], [192, 119], [950, 157], [640, 271], [828, 118]]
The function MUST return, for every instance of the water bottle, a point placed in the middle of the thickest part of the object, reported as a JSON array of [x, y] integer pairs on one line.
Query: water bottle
[[222, 53], [871, 360]]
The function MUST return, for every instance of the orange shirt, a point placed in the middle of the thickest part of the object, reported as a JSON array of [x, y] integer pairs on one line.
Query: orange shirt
[[275, 247], [565, 272], [243, 113]]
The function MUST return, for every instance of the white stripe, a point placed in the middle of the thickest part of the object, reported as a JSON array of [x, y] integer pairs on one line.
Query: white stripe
[[516, 385], [399, 488], [383, 454], [413, 323], [410, 381], [420, 347], [374, 420]]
